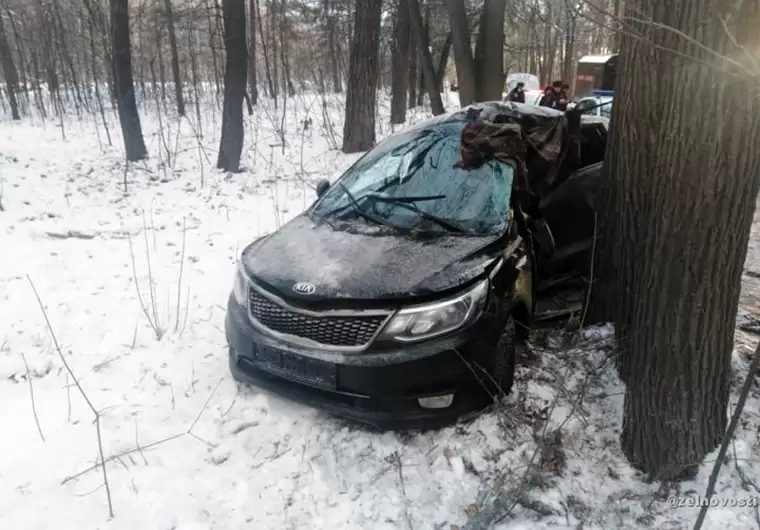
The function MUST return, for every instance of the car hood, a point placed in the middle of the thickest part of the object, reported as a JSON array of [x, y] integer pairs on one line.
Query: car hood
[[366, 262]]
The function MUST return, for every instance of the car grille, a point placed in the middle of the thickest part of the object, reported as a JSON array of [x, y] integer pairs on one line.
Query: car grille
[[343, 331]]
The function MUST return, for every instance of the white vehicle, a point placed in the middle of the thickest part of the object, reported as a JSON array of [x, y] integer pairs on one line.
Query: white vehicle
[[599, 104]]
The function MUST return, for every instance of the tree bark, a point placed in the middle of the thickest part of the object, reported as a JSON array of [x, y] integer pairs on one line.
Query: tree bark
[[465, 62], [363, 72], [400, 67], [235, 78], [121, 54], [175, 58], [430, 78], [680, 198], [489, 53], [252, 81], [9, 71]]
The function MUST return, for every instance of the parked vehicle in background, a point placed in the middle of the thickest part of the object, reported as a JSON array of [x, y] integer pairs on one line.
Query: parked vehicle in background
[[533, 91], [595, 72], [598, 104]]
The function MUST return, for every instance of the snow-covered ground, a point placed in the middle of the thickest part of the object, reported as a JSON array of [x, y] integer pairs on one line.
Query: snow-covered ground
[[190, 449]]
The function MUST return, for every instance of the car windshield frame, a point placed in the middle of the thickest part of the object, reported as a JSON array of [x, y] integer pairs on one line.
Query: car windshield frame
[[410, 182]]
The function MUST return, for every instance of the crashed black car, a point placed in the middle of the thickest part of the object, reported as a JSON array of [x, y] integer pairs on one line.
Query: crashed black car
[[397, 298]]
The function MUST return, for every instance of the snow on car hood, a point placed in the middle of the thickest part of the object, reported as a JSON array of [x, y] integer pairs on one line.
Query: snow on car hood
[[374, 263]]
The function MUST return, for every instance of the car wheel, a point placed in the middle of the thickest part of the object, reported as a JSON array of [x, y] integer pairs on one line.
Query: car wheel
[[504, 359]]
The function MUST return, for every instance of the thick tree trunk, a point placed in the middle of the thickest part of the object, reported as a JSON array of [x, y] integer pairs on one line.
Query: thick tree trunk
[[428, 69], [400, 67], [134, 145], [252, 81], [9, 71], [363, 72], [178, 93], [682, 189], [465, 62], [235, 77], [489, 53]]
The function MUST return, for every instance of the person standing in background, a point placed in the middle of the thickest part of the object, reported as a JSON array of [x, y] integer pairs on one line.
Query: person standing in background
[[517, 94]]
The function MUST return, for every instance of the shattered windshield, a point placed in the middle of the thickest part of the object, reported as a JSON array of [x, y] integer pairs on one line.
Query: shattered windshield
[[410, 181]]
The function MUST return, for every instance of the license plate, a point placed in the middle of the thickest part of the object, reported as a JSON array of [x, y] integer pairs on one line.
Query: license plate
[[296, 367]]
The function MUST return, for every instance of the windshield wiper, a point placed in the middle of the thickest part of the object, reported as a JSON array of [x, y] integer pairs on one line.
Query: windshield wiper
[[408, 203], [361, 212], [374, 195]]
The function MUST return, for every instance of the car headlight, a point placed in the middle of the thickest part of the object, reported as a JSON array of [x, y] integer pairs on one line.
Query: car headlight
[[240, 287], [425, 321]]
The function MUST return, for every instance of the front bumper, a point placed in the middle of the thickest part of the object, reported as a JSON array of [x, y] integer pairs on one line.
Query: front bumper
[[378, 389]]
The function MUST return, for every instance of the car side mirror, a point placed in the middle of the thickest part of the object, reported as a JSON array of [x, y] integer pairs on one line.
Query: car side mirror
[[322, 186]]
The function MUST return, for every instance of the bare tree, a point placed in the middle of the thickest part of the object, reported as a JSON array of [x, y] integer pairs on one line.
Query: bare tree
[[134, 145], [682, 187], [363, 71], [235, 77], [460, 32], [332, 45], [428, 70], [252, 81], [9, 71], [175, 58], [400, 71]]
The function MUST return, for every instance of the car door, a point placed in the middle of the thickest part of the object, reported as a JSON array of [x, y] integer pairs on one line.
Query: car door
[[570, 213]]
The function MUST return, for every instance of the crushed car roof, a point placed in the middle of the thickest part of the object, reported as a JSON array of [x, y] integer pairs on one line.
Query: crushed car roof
[[490, 109]]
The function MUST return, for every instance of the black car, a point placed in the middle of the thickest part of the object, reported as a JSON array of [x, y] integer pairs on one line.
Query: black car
[[396, 299]]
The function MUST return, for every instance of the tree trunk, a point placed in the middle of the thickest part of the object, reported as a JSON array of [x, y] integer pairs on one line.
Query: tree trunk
[[400, 68], [252, 81], [268, 70], [134, 145], [428, 70], [363, 72], [615, 24], [175, 58], [682, 189], [274, 46], [288, 89], [9, 71], [413, 55], [569, 57], [489, 53], [332, 48], [442, 61], [465, 62], [235, 78]]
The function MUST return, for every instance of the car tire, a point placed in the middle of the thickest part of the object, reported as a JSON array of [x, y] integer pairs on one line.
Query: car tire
[[504, 358]]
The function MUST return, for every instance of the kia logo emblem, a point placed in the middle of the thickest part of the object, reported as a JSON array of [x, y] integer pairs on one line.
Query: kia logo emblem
[[304, 288]]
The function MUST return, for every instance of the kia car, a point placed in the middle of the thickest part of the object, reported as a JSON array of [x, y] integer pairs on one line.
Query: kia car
[[397, 298]]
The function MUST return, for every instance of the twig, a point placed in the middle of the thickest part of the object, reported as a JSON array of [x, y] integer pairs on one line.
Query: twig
[[205, 404], [181, 267], [31, 396], [748, 382], [591, 276], [81, 390], [139, 448]]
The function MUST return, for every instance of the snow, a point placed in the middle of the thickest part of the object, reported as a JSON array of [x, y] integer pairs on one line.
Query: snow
[[200, 452]]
